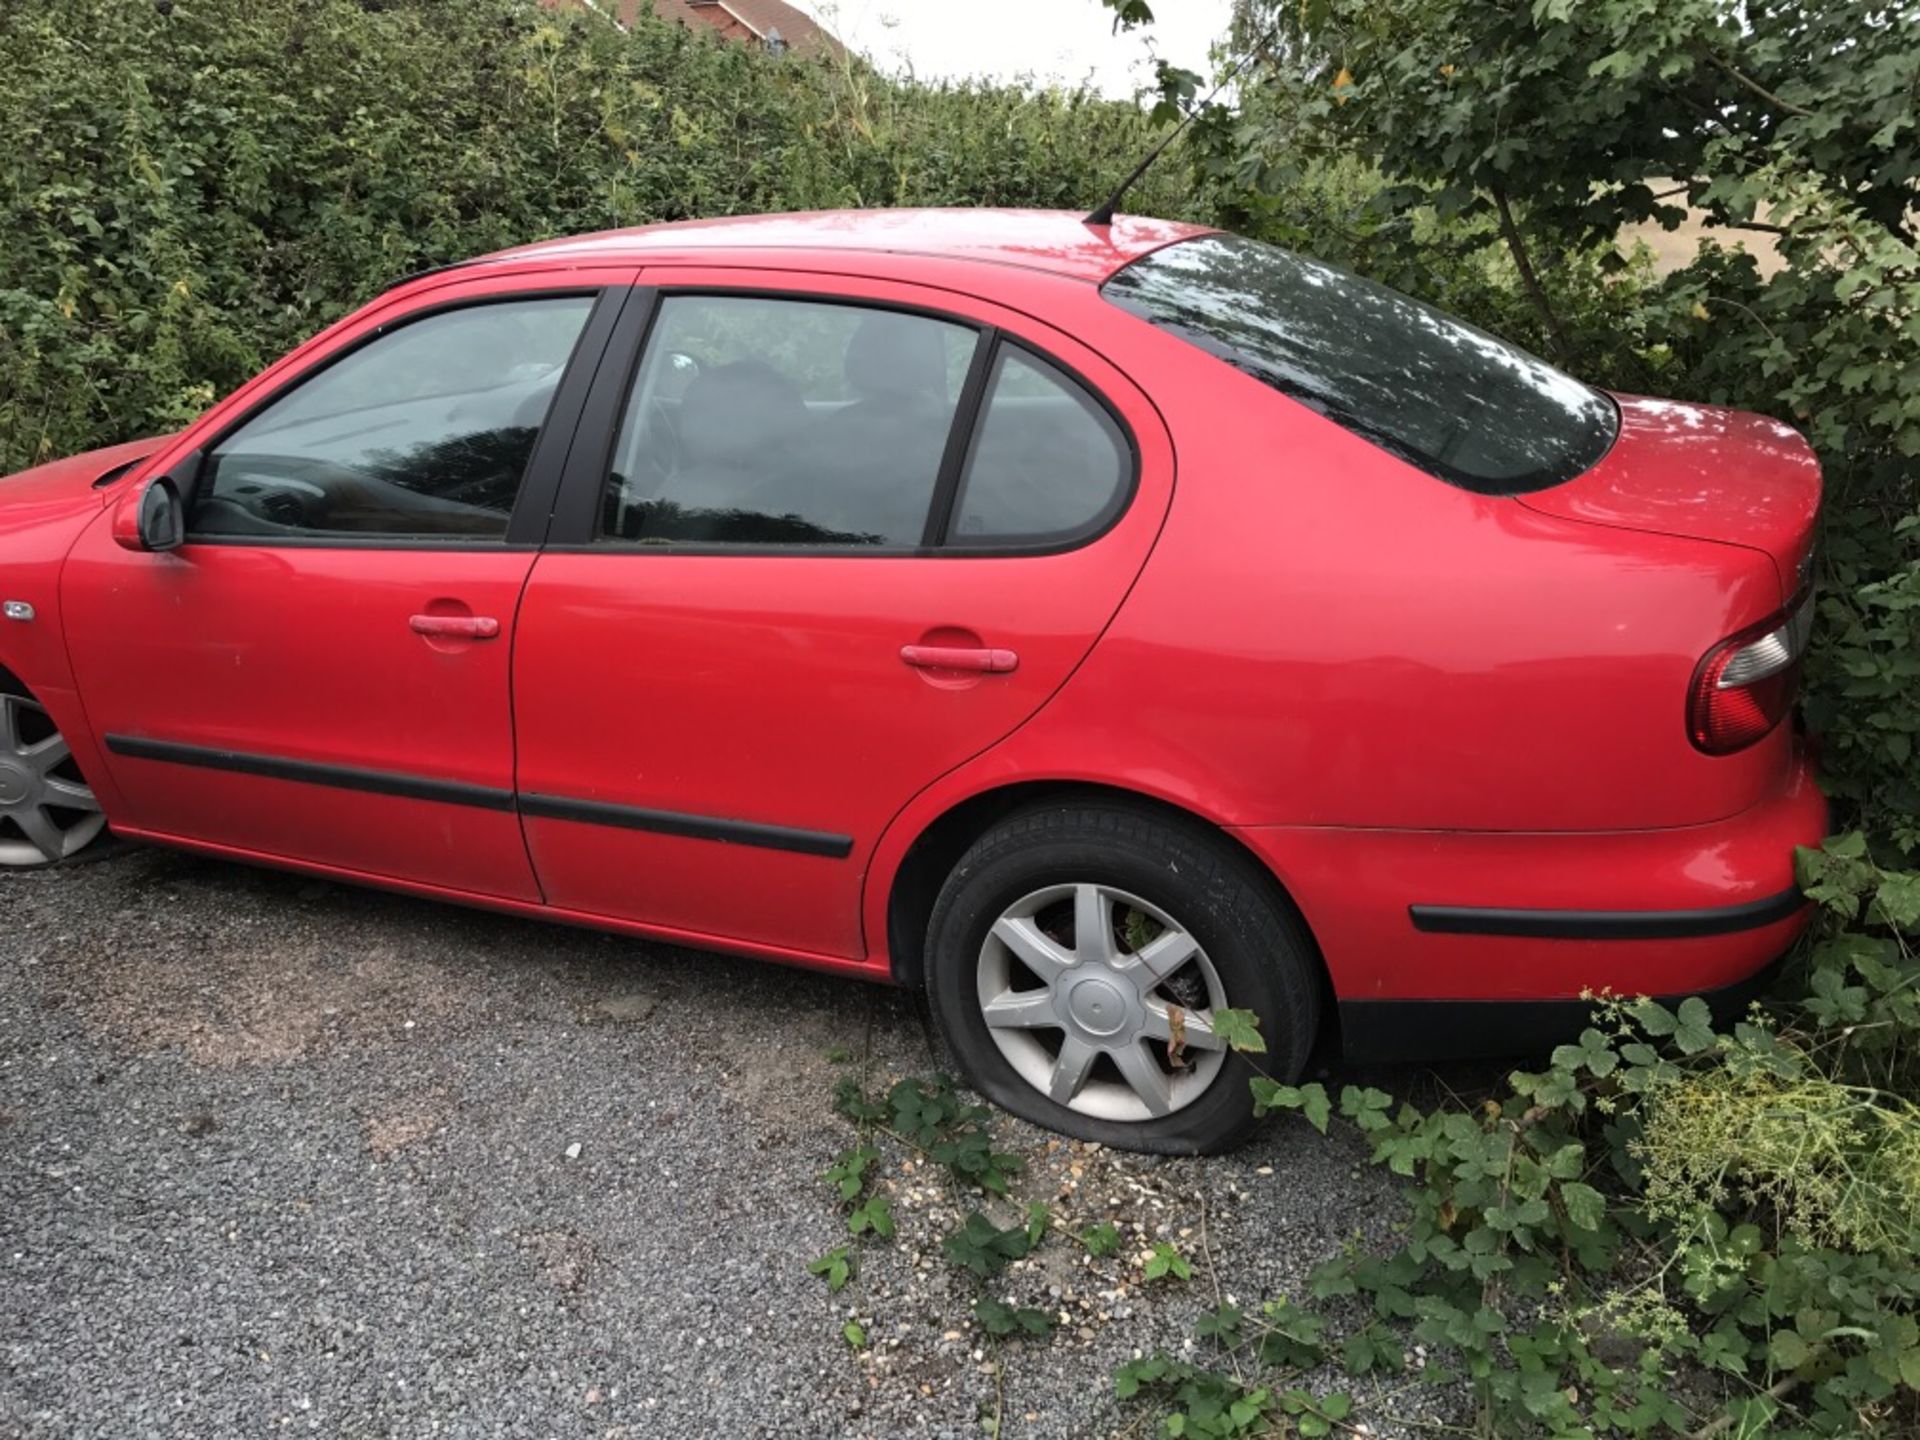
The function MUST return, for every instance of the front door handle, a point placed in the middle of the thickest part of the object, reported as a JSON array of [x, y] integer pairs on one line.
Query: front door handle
[[959, 657], [465, 627]]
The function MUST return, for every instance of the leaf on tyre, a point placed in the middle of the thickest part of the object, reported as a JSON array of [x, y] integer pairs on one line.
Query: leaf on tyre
[[1176, 1037], [1239, 1029]]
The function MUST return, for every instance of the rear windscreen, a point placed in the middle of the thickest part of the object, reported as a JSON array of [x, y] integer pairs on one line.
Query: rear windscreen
[[1455, 401]]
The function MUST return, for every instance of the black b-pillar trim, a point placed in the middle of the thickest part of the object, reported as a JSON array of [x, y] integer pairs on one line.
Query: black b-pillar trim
[[583, 483], [960, 439], [563, 430]]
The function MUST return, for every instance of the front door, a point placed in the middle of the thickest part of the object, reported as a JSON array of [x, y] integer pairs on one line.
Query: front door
[[847, 535], [321, 672]]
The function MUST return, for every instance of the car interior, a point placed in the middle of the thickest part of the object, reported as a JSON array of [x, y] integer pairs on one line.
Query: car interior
[[718, 446], [742, 455]]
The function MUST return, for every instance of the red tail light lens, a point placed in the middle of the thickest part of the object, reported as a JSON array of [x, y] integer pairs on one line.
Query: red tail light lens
[[1746, 684]]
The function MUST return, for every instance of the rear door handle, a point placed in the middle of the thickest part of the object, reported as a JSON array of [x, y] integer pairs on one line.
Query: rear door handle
[[957, 657], [467, 627]]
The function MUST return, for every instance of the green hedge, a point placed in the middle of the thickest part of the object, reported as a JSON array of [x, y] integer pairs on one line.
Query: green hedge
[[185, 195]]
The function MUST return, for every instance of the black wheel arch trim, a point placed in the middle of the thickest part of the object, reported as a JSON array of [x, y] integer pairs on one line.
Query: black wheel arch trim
[[1606, 924], [482, 797]]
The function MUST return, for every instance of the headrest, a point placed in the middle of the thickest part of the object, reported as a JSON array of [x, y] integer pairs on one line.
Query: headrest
[[735, 411], [897, 355]]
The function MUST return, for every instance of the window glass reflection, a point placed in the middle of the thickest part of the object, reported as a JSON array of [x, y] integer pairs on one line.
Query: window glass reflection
[[1449, 398], [758, 420], [1047, 462], [424, 432]]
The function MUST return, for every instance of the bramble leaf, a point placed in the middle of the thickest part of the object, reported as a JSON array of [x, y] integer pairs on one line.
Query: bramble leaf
[[1239, 1030], [1166, 1260], [1101, 1240], [835, 1267]]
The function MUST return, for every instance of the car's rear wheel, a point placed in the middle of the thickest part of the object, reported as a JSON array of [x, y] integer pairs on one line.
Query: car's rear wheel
[[47, 811], [1077, 956]]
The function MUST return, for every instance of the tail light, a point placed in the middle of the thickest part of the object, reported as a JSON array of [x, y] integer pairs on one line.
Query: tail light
[[1745, 685]]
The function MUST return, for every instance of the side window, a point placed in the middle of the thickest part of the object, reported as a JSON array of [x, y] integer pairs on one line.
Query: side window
[[762, 421], [424, 432], [1047, 462]]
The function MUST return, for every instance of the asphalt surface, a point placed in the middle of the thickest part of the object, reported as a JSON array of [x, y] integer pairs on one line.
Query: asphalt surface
[[278, 1156]]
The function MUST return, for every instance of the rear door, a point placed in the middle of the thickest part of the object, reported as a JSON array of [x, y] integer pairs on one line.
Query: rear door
[[843, 535], [320, 673]]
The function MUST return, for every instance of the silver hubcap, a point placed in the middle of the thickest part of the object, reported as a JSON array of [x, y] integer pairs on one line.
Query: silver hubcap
[[46, 810], [1101, 1002]]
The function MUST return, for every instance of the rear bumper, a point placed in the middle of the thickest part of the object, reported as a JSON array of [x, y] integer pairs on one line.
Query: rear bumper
[[1449, 943], [1386, 1032]]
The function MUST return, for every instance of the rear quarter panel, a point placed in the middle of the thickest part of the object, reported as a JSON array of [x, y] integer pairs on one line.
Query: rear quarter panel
[[1326, 636], [1327, 640]]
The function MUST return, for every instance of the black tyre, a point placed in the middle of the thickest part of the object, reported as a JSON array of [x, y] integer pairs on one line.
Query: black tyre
[[1076, 955]]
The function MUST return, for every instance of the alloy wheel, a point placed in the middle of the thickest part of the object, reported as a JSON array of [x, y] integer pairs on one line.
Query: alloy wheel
[[1102, 1002], [47, 812]]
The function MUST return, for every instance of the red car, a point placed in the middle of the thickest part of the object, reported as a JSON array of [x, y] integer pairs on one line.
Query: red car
[[1099, 625]]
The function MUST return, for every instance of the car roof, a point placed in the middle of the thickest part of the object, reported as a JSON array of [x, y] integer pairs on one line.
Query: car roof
[[1057, 241]]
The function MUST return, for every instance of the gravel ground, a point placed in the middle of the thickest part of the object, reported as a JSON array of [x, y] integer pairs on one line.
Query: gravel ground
[[282, 1156]]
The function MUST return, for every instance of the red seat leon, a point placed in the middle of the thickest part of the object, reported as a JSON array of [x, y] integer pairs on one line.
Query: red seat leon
[[1099, 625]]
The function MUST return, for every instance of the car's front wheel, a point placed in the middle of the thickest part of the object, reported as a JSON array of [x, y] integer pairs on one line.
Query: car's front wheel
[[1078, 955], [47, 811]]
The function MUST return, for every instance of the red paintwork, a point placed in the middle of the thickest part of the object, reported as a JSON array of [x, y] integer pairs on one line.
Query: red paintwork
[[1389, 690], [1042, 240], [308, 654], [1352, 886], [777, 693], [40, 512], [1716, 475]]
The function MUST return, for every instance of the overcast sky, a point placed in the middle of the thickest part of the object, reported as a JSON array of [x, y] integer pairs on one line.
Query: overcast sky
[[1068, 41]]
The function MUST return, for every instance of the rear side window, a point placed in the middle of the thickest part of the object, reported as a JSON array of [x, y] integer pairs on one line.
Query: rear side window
[[1453, 400], [1047, 463], [758, 420], [424, 432]]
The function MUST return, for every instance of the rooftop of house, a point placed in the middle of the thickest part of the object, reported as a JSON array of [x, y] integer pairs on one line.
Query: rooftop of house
[[763, 20], [1058, 241]]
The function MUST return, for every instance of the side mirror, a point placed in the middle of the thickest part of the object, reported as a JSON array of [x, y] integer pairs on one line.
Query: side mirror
[[153, 516], [163, 519]]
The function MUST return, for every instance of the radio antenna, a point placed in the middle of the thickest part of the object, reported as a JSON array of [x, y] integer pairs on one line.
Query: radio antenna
[[1102, 214]]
